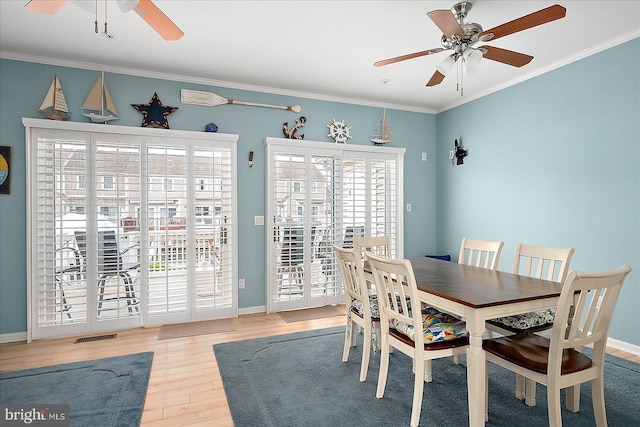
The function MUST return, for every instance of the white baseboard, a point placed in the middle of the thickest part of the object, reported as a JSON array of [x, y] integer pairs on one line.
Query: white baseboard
[[14, 337], [624, 346], [252, 310]]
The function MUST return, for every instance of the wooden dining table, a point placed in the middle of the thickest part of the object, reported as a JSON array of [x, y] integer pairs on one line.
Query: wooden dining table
[[478, 294]]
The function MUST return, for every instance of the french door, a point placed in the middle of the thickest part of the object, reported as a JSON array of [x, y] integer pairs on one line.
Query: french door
[[318, 195], [114, 235]]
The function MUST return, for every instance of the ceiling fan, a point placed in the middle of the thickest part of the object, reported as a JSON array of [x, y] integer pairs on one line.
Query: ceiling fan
[[145, 8], [461, 37]]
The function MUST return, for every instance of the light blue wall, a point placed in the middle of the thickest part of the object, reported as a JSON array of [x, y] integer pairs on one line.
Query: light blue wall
[[23, 86], [553, 161]]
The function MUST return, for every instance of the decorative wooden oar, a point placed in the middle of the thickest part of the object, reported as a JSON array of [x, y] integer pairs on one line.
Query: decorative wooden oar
[[209, 99]]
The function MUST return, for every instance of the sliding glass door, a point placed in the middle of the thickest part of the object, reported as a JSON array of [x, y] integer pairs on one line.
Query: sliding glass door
[[128, 230], [319, 195]]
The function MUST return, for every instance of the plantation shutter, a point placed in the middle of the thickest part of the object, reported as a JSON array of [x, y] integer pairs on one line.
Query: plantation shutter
[[128, 227], [319, 195]]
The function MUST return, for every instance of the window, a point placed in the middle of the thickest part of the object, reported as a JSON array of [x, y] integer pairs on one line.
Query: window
[[107, 182], [167, 264], [202, 210], [297, 186], [202, 184], [168, 184]]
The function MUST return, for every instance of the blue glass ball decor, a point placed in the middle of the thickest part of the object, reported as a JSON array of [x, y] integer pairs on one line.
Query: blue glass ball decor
[[211, 127]]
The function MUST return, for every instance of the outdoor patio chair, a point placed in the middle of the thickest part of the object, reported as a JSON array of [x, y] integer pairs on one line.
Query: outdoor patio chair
[[110, 265]]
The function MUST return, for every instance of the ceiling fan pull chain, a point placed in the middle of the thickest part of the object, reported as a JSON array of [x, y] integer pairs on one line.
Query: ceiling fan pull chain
[[96, 21]]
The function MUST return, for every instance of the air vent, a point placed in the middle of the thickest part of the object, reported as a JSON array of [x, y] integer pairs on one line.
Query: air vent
[[96, 338]]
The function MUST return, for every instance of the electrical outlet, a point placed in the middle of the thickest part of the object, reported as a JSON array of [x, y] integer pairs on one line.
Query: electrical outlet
[[241, 283], [408, 207], [424, 157], [258, 220]]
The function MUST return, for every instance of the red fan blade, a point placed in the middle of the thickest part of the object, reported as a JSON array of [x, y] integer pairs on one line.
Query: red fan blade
[[505, 56], [408, 56], [447, 23], [436, 79], [534, 19], [158, 20], [45, 6]]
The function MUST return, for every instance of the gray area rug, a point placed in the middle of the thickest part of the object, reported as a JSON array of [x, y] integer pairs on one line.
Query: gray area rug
[[196, 328], [310, 314], [299, 380], [104, 392]]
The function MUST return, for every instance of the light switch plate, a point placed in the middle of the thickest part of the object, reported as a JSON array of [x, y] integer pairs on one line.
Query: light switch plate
[[258, 220]]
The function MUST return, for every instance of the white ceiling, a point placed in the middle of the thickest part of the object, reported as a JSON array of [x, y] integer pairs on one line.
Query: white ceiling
[[318, 49]]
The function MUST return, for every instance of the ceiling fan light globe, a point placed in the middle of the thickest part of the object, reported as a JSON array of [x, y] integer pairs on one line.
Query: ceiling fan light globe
[[445, 66], [472, 57]]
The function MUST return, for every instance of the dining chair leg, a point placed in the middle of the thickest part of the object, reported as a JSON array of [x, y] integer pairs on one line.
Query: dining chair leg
[[530, 392], [366, 352], [456, 359], [553, 403], [348, 333], [418, 388], [597, 396], [572, 396], [428, 377], [384, 369], [520, 394]]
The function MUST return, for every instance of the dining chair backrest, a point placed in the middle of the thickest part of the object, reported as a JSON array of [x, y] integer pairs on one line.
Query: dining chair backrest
[[394, 277], [542, 262], [352, 274], [377, 245], [584, 314], [480, 253]]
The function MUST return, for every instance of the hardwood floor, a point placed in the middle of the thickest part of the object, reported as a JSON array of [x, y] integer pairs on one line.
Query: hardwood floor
[[185, 387]]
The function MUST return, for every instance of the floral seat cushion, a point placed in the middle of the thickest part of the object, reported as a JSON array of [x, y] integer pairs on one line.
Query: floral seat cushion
[[437, 327], [527, 320], [373, 304]]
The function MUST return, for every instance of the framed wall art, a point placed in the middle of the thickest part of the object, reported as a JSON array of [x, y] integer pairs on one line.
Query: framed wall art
[[5, 169]]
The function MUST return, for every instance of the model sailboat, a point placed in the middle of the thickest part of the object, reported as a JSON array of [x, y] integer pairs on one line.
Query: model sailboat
[[382, 133], [54, 105], [99, 106]]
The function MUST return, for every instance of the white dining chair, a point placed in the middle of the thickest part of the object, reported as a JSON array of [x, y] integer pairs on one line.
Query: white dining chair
[[377, 245], [480, 253], [360, 307], [583, 317], [540, 262], [421, 335]]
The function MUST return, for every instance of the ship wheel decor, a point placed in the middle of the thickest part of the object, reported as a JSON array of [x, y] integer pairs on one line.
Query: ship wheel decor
[[339, 131], [460, 38]]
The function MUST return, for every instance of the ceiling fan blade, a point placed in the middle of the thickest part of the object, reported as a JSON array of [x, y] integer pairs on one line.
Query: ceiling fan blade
[[45, 6], [408, 56], [505, 56], [436, 79], [158, 20], [534, 19], [447, 23]]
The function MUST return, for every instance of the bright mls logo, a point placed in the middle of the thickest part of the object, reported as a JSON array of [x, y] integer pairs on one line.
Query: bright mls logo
[[36, 415]]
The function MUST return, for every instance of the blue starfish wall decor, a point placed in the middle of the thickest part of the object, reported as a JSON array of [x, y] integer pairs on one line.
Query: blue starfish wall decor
[[155, 114]]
